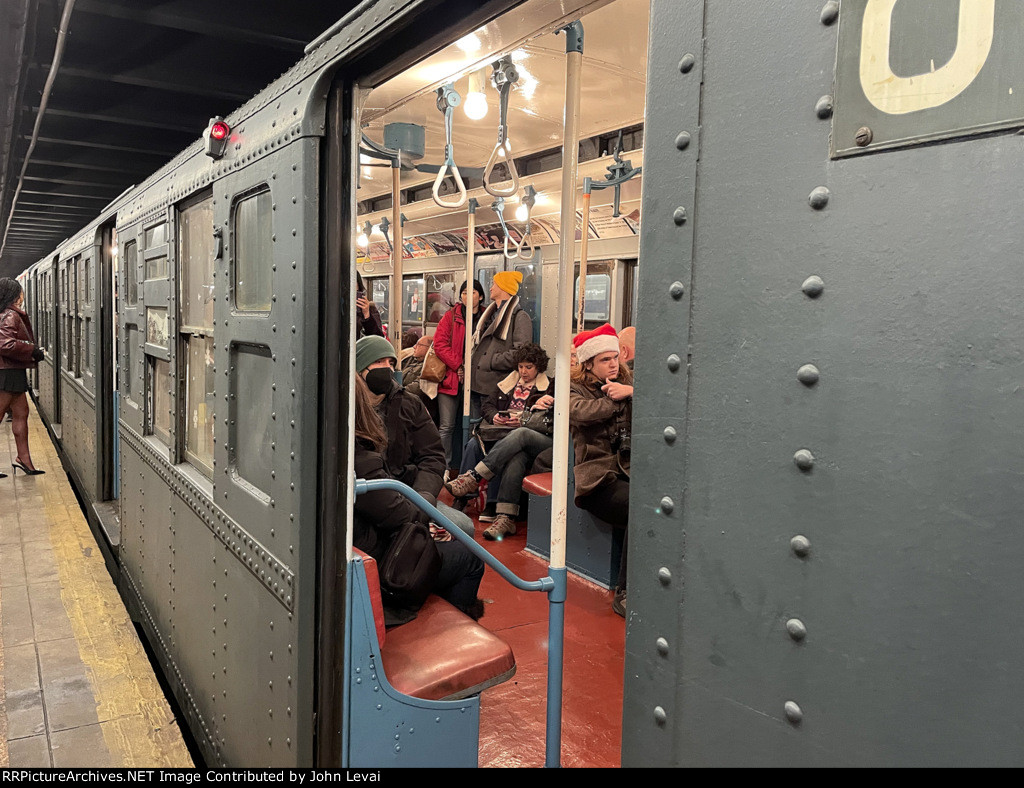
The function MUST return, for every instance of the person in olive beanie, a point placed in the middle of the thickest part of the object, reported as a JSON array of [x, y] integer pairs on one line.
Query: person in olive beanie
[[414, 454]]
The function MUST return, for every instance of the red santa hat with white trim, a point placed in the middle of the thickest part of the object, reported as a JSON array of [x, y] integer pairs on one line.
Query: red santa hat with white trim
[[592, 343]]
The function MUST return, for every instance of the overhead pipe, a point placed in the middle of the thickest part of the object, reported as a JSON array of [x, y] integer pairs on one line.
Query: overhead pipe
[[51, 77]]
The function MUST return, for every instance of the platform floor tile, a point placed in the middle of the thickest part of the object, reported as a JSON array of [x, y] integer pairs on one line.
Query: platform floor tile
[[76, 687]]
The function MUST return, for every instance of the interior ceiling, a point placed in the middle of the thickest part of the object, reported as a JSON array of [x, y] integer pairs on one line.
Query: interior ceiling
[[613, 87], [137, 83]]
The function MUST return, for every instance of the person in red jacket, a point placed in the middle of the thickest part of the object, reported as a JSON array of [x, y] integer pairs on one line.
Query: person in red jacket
[[450, 347], [18, 353]]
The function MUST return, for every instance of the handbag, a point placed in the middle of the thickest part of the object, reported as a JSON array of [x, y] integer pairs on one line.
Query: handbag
[[434, 369], [410, 567], [543, 421]]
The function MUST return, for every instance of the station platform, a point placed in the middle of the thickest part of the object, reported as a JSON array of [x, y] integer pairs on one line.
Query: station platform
[[76, 686]]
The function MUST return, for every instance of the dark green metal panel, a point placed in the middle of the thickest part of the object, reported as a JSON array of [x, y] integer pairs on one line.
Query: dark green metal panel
[[892, 639]]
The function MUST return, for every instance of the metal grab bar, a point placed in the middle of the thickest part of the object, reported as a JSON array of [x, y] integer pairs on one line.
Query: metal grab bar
[[505, 76], [545, 584]]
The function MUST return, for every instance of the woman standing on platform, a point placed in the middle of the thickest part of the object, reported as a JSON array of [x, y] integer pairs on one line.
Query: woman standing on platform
[[18, 353]]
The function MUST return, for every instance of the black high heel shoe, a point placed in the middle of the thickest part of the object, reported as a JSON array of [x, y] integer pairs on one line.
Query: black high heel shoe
[[28, 472]]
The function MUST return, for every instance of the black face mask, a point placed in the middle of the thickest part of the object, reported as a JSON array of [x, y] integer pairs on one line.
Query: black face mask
[[379, 380]]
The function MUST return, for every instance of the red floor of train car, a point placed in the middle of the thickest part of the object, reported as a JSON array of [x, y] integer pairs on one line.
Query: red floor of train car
[[513, 714]]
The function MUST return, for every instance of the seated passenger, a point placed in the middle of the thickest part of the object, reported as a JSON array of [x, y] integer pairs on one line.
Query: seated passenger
[[380, 514], [412, 360], [600, 419], [527, 389], [414, 454]]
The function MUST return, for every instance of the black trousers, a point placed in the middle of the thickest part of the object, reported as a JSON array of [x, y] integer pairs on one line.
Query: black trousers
[[611, 504]]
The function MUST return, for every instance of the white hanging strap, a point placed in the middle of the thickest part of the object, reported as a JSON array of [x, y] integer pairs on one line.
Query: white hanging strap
[[505, 76], [447, 100]]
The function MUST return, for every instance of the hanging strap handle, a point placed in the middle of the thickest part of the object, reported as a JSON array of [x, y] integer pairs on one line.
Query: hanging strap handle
[[498, 206], [447, 100], [505, 76], [529, 198]]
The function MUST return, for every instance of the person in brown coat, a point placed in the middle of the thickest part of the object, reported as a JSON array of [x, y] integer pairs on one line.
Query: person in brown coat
[[18, 353], [600, 419]]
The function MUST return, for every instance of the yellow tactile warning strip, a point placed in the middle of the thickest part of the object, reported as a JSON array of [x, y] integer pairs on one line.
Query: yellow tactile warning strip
[[77, 687]]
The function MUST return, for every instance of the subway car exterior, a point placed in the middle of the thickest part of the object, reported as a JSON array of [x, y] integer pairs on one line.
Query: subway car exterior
[[823, 558]]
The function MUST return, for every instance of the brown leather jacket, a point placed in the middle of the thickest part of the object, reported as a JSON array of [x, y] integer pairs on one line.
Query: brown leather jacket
[[17, 342], [598, 425]]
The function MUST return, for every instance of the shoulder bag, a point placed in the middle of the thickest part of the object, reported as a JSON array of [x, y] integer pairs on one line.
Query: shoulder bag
[[434, 369], [410, 567], [543, 421]]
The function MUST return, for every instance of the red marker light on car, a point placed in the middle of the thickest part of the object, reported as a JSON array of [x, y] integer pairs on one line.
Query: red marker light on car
[[216, 137]]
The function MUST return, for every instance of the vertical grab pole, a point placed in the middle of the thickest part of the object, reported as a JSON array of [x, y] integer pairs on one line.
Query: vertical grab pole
[[584, 239], [397, 241], [560, 472], [467, 352]]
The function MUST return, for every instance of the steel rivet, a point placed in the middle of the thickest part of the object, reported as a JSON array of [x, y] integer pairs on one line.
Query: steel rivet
[[665, 575], [793, 712], [813, 286], [683, 140], [800, 544], [808, 374], [686, 64], [863, 136], [674, 362], [823, 109], [659, 715], [804, 460], [662, 645], [679, 216], [796, 629], [818, 198], [830, 12], [670, 434], [677, 290], [667, 505]]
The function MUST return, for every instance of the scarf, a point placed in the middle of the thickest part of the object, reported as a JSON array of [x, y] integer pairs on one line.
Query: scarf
[[502, 322]]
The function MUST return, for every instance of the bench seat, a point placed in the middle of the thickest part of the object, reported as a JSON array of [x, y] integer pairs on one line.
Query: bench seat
[[538, 484], [442, 654]]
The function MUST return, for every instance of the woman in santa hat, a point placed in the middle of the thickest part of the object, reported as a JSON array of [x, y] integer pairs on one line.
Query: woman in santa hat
[[600, 418]]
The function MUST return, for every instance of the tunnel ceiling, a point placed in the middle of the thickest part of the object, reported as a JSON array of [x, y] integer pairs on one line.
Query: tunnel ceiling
[[136, 83]]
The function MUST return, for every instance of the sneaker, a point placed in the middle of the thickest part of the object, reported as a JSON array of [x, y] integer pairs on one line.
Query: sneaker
[[503, 525], [488, 515], [618, 602], [463, 486]]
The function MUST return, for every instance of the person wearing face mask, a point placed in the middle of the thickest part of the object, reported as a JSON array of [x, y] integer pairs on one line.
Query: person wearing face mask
[[503, 327], [600, 419], [414, 454], [450, 347]]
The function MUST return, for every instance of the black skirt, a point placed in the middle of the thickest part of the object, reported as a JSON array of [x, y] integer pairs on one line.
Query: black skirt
[[13, 381]]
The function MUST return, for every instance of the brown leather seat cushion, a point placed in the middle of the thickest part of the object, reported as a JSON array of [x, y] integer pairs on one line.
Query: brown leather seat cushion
[[538, 484], [444, 654]]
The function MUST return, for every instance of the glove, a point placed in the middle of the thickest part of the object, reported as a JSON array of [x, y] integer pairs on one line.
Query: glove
[[37, 354]]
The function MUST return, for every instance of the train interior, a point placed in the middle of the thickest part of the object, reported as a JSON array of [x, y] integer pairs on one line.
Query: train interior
[[410, 128]]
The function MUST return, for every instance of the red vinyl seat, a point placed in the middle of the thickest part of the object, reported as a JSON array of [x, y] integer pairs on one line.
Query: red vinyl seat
[[442, 654], [538, 484]]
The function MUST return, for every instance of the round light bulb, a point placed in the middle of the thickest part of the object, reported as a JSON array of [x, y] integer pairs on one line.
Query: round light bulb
[[476, 106], [522, 213], [362, 241]]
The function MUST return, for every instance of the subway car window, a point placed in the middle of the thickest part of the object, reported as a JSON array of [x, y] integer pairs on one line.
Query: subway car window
[[158, 381], [251, 375], [131, 273], [253, 259], [196, 329]]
